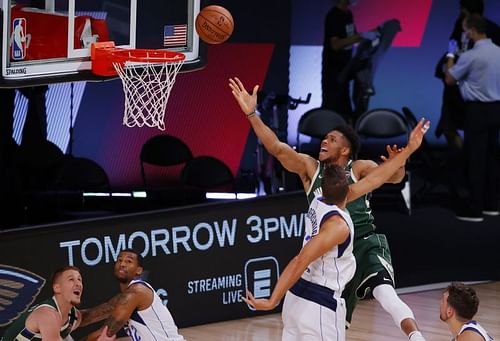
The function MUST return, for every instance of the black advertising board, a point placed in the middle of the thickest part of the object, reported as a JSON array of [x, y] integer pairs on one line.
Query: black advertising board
[[200, 259]]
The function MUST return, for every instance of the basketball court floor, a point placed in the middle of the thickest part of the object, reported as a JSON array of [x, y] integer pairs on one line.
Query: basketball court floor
[[370, 322]]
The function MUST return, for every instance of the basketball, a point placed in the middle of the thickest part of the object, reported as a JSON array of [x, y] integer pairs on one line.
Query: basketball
[[214, 24]]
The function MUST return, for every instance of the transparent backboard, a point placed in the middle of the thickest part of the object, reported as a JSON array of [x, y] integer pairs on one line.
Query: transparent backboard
[[48, 41]]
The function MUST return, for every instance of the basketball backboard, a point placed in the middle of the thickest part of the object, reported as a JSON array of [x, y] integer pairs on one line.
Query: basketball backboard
[[48, 41]]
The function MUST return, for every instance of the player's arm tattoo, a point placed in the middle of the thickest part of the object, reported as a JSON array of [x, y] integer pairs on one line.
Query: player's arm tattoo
[[114, 325], [98, 313], [122, 311]]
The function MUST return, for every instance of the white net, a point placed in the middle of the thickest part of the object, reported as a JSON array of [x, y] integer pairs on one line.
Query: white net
[[147, 88]]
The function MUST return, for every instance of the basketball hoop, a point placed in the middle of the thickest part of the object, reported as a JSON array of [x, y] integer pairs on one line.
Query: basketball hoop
[[147, 77]]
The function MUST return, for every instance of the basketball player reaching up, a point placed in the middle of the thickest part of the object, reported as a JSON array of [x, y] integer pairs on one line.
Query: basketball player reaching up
[[314, 280], [56, 317], [138, 307], [374, 270]]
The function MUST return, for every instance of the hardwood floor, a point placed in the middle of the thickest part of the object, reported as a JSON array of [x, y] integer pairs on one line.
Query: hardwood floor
[[370, 322]]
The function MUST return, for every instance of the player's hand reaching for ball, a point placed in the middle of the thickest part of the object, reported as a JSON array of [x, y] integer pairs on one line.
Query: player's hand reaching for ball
[[247, 102]]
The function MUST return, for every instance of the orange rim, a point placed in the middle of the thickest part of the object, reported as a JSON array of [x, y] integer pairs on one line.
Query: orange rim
[[147, 56]]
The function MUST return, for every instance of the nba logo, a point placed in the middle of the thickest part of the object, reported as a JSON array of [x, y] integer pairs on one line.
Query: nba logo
[[261, 275], [18, 39]]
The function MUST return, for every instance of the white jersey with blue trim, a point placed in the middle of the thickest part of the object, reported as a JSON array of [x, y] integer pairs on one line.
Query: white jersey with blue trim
[[476, 327], [152, 323], [337, 266]]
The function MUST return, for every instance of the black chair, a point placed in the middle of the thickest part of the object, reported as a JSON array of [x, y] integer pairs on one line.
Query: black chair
[[316, 123], [82, 174], [377, 128], [77, 176], [37, 165], [382, 123], [208, 173], [164, 151], [14, 208], [437, 170]]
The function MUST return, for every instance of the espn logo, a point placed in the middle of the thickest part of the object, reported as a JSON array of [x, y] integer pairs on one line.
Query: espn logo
[[261, 275], [18, 39]]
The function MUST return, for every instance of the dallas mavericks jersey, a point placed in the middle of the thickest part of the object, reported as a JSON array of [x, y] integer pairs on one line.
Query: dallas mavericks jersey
[[18, 331], [476, 327], [153, 323], [337, 266], [359, 209]]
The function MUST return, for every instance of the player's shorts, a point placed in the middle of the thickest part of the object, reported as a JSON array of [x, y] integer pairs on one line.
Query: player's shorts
[[373, 267], [314, 315]]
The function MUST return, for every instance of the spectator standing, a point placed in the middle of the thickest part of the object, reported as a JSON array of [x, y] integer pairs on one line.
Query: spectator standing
[[477, 74]]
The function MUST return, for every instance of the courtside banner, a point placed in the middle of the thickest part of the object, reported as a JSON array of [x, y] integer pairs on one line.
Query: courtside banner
[[200, 259]]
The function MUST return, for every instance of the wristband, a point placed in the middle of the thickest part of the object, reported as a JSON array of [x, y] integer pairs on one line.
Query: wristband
[[450, 55], [250, 114]]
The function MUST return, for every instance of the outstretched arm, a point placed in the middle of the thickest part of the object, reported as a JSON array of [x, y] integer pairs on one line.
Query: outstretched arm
[[333, 232], [97, 313], [382, 173], [125, 304], [301, 164], [364, 167], [337, 43], [399, 175]]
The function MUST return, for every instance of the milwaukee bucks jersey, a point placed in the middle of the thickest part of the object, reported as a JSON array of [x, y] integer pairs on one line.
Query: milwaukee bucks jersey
[[18, 331], [359, 209]]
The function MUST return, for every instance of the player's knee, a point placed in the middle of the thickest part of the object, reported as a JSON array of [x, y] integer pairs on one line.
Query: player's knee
[[387, 297]]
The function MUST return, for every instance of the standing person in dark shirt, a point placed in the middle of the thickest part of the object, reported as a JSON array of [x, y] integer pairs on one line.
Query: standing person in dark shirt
[[340, 36]]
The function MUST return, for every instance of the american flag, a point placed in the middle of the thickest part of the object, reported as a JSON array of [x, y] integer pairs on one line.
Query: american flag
[[175, 35]]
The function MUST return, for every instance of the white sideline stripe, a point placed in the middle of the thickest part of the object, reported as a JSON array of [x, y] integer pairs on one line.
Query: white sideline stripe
[[433, 286]]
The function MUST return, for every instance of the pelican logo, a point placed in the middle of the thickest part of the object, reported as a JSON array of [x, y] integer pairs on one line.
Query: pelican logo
[[18, 290]]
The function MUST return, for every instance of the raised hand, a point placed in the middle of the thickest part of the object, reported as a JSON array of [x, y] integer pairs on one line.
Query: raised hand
[[417, 135], [247, 102], [391, 152], [452, 47]]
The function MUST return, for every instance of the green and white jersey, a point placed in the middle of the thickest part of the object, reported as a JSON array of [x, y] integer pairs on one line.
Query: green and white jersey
[[17, 331], [359, 209]]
